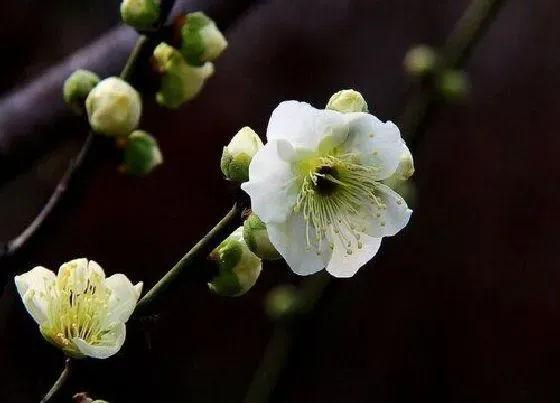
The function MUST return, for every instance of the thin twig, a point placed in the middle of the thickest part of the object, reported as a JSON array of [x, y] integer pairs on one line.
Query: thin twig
[[18, 242], [133, 58], [203, 245], [59, 382], [459, 45]]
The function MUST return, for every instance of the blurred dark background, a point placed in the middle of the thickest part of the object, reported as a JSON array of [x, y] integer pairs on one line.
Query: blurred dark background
[[462, 306]]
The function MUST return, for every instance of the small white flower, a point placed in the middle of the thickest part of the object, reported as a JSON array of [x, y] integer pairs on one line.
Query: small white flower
[[80, 311], [317, 186]]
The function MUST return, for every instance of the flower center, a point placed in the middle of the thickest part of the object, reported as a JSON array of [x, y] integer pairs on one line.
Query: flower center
[[78, 305], [323, 184], [338, 199]]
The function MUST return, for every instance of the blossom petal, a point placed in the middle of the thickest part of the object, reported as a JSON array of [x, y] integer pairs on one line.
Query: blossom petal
[[303, 126], [290, 239], [32, 287], [379, 144], [272, 184], [93, 267], [390, 219], [123, 299], [342, 264], [81, 267], [110, 343]]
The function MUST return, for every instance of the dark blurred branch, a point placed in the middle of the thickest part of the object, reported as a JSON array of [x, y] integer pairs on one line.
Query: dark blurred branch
[[455, 52], [468, 30], [282, 339]]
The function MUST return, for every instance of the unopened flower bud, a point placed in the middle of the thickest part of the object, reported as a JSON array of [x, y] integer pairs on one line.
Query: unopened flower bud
[[404, 171], [237, 155], [77, 88], [420, 60], [180, 82], [201, 40], [239, 267], [256, 236], [140, 14], [141, 153], [348, 101], [453, 85], [282, 301], [113, 107]]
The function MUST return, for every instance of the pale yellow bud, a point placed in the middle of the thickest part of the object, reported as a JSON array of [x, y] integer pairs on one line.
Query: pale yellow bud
[[348, 101], [237, 155], [114, 107]]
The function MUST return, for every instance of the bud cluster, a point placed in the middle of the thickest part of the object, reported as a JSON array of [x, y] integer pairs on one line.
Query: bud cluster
[[114, 109], [184, 69]]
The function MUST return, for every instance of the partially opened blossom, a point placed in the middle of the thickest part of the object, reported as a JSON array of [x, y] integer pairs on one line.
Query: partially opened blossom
[[317, 185], [80, 311]]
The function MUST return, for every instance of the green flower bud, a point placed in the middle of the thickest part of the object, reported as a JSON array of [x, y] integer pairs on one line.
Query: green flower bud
[[113, 107], [453, 85], [239, 267], [201, 40], [77, 87], [347, 101], [140, 14], [256, 236], [237, 155], [420, 60], [180, 82], [141, 153], [282, 301]]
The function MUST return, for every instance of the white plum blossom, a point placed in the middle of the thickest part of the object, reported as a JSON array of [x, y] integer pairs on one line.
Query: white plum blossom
[[80, 311], [317, 185]]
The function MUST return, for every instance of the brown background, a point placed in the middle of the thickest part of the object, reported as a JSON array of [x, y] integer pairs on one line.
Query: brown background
[[462, 306]]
